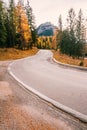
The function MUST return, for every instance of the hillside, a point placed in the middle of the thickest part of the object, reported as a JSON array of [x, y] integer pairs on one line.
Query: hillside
[[12, 53], [46, 29]]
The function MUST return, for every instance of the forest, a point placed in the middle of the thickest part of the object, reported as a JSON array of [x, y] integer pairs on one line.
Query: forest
[[17, 25], [72, 39], [18, 30]]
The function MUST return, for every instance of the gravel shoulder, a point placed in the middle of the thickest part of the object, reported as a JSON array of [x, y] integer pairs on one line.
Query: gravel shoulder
[[22, 110]]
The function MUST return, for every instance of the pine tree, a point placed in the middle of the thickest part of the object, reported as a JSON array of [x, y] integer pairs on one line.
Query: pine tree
[[3, 33], [80, 30], [72, 42], [10, 26], [11, 14], [7, 25], [59, 34], [68, 39], [71, 20], [31, 22]]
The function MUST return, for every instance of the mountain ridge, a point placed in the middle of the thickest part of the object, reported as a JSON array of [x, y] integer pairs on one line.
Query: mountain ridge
[[46, 29]]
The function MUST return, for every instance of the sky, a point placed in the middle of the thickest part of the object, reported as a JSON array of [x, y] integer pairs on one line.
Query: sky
[[49, 10]]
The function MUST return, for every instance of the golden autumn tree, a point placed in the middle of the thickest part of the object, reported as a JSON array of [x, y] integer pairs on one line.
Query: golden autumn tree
[[44, 42], [22, 28], [54, 40]]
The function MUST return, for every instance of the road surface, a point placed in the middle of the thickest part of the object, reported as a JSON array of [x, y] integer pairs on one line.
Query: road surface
[[66, 86]]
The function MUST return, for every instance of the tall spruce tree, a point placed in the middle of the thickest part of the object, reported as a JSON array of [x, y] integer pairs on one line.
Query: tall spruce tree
[[3, 34], [73, 39], [59, 34], [11, 23], [80, 30], [31, 22], [71, 20], [68, 40], [8, 30]]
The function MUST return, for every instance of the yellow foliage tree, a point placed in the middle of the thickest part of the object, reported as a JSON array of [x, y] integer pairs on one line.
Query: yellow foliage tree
[[22, 27], [54, 40]]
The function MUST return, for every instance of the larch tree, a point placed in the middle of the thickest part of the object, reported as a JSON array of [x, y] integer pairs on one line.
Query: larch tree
[[22, 27]]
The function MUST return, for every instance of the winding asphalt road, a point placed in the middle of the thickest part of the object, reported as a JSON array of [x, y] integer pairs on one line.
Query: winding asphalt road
[[66, 86]]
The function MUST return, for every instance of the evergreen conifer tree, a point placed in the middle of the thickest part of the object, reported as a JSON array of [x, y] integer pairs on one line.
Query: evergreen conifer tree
[[31, 22], [3, 34]]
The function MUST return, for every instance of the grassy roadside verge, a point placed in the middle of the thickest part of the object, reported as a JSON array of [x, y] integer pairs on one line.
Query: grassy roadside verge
[[69, 60], [12, 53]]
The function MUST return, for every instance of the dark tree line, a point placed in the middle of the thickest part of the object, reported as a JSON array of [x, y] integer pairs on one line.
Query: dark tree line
[[3, 33], [72, 38], [10, 36]]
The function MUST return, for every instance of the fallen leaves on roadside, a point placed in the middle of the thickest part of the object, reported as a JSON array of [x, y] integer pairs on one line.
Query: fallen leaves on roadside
[[69, 60], [12, 53]]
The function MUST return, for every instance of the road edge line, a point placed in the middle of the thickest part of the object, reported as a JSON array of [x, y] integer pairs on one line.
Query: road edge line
[[70, 66], [58, 105]]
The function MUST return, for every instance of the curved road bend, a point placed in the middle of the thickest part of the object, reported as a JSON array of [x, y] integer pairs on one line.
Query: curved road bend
[[66, 86]]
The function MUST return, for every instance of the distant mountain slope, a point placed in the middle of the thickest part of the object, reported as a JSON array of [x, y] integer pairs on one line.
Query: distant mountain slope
[[46, 29]]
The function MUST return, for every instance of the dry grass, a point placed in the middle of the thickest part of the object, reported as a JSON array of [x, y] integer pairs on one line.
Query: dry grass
[[69, 60], [12, 53]]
